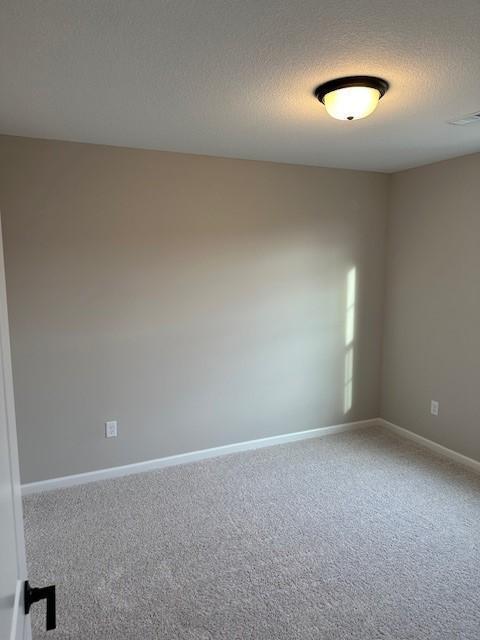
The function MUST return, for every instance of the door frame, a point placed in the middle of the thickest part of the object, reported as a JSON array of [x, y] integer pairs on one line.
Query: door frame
[[21, 629]]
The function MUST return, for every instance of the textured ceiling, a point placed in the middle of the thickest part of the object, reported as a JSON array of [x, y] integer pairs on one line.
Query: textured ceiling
[[235, 77]]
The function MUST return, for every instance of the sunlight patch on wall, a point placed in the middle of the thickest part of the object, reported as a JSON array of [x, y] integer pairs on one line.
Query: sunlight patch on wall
[[349, 340]]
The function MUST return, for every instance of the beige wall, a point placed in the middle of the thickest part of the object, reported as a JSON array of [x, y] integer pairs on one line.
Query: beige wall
[[432, 340], [200, 301]]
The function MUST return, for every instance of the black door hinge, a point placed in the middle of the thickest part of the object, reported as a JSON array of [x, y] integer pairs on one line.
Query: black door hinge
[[32, 595]]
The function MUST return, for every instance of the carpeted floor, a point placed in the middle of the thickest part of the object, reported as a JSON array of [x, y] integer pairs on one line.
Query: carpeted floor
[[355, 536]]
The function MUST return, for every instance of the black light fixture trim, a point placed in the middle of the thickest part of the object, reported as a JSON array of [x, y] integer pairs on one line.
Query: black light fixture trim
[[351, 81]]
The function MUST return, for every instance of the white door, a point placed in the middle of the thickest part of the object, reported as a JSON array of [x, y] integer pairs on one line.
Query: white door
[[14, 625]]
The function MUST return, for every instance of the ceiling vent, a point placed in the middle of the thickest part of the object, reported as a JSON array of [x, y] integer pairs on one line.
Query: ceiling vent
[[470, 119]]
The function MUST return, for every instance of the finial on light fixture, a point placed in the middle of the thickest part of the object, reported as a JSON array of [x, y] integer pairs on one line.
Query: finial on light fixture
[[353, 97]]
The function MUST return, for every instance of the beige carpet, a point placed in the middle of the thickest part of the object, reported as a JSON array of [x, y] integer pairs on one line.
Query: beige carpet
[[360, 535]]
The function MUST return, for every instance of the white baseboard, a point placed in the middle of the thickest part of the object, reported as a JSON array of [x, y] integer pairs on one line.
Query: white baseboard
[[192, 456], [429, 444]]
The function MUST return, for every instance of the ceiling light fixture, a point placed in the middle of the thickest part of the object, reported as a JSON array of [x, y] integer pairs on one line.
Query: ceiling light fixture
[[353, 97]]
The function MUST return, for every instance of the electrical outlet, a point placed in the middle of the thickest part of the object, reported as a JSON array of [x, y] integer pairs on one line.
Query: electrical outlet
[[434, 407], [111, 429]]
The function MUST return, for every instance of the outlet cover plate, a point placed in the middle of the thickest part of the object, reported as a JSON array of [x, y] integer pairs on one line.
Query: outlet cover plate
[[111, 429]]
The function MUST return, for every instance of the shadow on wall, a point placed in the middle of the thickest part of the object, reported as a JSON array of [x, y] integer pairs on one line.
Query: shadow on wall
[[349, 340]]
